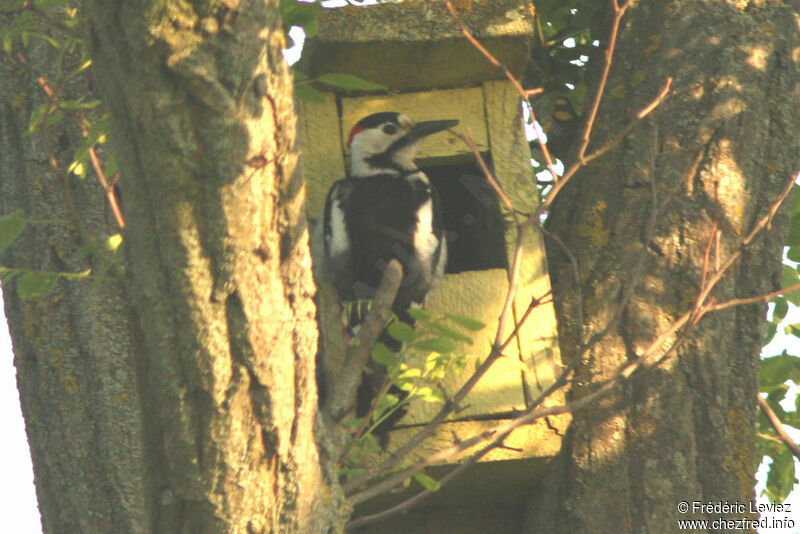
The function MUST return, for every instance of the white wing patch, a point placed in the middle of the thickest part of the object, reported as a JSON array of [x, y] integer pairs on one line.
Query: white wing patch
[[338, 241], [425, 241]]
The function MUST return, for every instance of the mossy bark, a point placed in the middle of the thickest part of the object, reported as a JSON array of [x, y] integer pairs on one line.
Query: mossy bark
[[715, 155]]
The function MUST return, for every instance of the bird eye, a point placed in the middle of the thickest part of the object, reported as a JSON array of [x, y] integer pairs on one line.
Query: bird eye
[[390, 129]]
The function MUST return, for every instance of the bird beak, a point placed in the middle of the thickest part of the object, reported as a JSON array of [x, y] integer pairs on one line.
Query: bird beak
[[423, 129]]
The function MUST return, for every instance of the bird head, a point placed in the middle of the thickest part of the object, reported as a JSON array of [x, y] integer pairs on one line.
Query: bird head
[[387, 142]]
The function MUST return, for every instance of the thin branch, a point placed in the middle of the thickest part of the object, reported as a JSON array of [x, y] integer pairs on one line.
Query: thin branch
[[523, 93], [775, 421], [495, 353], [107, 187], [761, 224], [80, 121], [653, 356], [358, 352], [408, 503], [766, 297], [644, 112], [469, 140], [619, 12]]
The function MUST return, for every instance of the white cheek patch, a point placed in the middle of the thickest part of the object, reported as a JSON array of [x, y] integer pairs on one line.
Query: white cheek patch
[[366, 143]]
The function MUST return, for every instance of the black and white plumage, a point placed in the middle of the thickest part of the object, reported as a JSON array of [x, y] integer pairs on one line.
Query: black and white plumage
[[386, 208]]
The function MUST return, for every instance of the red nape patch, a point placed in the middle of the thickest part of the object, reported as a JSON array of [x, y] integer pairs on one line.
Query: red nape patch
[[356, 129]]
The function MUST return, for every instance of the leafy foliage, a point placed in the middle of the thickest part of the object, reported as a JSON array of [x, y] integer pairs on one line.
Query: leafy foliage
[[778, 371], [56, 24], [568, 34], [429, 351]]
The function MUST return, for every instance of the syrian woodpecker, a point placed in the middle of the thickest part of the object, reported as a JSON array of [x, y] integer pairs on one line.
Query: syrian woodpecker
[[386, 208]]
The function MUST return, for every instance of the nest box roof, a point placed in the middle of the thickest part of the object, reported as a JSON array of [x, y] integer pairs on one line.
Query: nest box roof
[[417, 44]]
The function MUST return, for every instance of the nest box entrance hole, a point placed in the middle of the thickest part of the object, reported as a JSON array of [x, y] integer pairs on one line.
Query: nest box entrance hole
[[472, 219]]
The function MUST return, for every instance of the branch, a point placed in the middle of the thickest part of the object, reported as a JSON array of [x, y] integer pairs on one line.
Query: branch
[[495, 353], [766, 297], [107, 187], [523, 93], [343, 395], [778, 426], [701, 308]]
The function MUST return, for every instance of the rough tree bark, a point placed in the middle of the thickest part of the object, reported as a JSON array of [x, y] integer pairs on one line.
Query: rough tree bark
[[72, 348], [179, 397], [717, 152]]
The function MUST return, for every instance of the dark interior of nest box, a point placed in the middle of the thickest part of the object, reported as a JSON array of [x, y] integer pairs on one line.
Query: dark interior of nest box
[[473, 222]]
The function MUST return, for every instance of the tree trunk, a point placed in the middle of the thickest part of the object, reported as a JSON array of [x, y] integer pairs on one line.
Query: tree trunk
[[714, 156], [185, 385], [72, 347]]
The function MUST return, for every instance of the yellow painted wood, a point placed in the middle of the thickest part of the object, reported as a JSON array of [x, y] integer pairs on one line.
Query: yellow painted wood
[[415, 45], [466, 105], [480, 295], [510, 152], [538, 338], [321, 153], [531, 361]]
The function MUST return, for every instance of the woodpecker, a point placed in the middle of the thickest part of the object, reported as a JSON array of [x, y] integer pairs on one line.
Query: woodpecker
[[385, 208]]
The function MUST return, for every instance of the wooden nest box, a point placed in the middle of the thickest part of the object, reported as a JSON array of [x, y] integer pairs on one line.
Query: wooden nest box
[[416, 49]]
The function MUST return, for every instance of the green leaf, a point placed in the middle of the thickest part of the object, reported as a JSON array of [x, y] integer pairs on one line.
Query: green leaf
[[780, 479], [427, 482], [451, 333], [35, 284], [305, 91], [303, 14], [792, 329], [401, 331], [769, 333], [418, 314], [781, 308], [75, 276], [790, 278], [348, 81], [777, 370], [78, 103], [113, 242], [37, 117], [415, 373], [386, 402], [793, 254], [466, 322], [428, 394], [382, 355], [775, 397], [436, 344], [11, 226], [794, 231]]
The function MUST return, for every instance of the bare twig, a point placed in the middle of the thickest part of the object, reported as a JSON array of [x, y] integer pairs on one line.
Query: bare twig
[[761, 224], [619, 12], [778, 426], [80, 121], [614, 141], [107, 187], [653, 356], [469, 140], [766, 297], [495, 353], [358, 352], [523, 93], [408, 503]]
